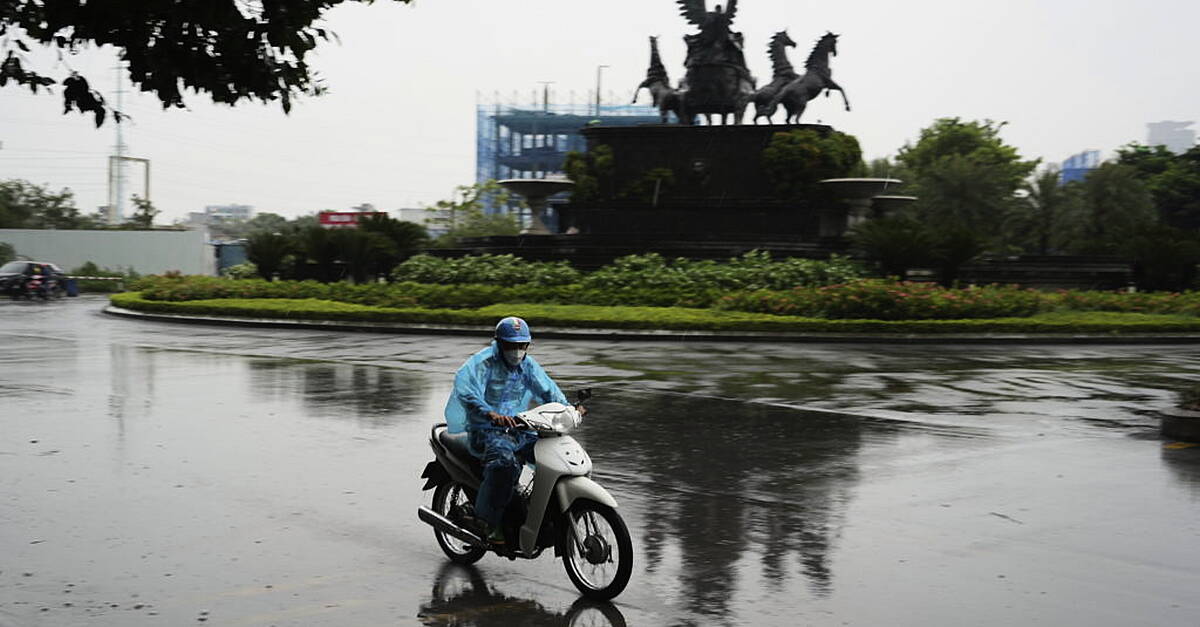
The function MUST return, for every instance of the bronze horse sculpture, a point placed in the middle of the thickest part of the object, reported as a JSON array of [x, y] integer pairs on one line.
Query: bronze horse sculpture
[[783, 73], [817, 78], [665, 97]]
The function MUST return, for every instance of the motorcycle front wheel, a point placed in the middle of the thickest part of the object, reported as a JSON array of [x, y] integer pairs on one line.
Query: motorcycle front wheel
[[596, 550], [451, 500]]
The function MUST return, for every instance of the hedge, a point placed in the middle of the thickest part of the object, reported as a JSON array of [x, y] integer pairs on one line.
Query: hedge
[[668, 318]]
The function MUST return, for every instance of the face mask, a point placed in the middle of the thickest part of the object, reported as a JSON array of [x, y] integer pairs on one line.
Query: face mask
[[514, 356]]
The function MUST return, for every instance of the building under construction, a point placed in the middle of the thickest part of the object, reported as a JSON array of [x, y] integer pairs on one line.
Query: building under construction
[[513, 142]]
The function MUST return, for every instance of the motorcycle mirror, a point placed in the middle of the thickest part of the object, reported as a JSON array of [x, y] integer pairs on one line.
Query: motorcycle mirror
[[583, 394]]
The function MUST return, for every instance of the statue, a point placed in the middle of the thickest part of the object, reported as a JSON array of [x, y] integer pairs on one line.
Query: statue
[[817, 78], [665, 97], [717, 81], [783, 73]]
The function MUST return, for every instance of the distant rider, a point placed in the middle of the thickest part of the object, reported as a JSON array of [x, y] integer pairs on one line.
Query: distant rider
[[490, 388]]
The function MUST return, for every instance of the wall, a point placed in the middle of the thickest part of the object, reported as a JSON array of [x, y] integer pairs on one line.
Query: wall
[[147, 252]]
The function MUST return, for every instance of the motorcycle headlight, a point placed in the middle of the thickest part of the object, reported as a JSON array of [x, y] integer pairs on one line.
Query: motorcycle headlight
[[566, 421]]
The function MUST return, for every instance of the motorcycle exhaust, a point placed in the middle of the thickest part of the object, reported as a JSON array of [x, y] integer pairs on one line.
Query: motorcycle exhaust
[[443, 524]]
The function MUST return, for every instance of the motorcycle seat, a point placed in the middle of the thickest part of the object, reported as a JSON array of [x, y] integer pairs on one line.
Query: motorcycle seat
[[457, 445]]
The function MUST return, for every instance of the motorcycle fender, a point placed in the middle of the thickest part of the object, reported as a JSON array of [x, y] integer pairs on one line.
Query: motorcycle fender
[[568, 489], [435, 475]]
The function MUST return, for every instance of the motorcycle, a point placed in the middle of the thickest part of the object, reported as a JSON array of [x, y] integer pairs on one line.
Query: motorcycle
[[557, 505], [41, 286]]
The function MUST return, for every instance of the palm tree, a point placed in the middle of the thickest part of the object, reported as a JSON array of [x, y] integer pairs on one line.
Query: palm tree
[[1043, 220], [267, 251]]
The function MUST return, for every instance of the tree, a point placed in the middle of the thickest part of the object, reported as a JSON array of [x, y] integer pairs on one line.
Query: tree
[[265, 222], [267, 252], [364, 252], [1047, 219], [796, 161], [24, 205], [1116, 204], [1164, 257], [895, 243], [963, 174], [406, 237], [977, 142], [319, 247], [1173, 181], [465, 216], [229, 49], [959, 192], [143, 216]]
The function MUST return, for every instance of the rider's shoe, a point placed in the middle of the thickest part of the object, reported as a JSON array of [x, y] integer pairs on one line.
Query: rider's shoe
[[496, 536]]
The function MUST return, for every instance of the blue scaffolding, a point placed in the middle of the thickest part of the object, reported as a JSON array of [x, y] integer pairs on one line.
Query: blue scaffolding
[[514, 142]]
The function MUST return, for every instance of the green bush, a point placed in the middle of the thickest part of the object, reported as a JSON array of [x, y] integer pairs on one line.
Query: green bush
[[244, 270], [1187, 303], [879, 299], [659, 318], [753, 271], [796, 161], [101, 287], [502, 270]]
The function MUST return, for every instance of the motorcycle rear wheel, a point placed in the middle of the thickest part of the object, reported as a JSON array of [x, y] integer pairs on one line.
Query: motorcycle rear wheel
[[449, 500], [597, 552]]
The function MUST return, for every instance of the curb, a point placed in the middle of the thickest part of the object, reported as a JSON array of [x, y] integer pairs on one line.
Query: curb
[[660, 335], [1181, 424]]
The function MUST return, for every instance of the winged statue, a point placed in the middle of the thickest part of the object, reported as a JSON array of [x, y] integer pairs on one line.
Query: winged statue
[[716, 42]]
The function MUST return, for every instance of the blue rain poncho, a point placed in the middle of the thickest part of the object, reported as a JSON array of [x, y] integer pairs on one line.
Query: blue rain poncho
[[486, 383]]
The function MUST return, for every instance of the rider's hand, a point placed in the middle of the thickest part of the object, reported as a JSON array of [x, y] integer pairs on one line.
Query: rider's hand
[[582, 410], [502, 421]]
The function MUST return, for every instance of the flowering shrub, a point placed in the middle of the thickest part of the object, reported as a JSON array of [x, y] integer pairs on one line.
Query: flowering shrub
[[753, 271], [1141, 302], [878, 299], [484, 270], [873, 299]]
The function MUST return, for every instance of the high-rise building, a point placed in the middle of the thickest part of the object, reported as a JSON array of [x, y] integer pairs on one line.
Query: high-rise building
[[1176, 136], [1076, 167]]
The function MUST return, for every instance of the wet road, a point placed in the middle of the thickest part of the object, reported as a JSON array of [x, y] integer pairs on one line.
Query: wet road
[[166, 474]]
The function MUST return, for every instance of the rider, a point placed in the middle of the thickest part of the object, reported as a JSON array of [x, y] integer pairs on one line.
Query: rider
[[490, 388]]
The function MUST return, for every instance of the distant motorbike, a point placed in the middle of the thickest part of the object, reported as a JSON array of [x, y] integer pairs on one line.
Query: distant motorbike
[[41, 286], [559, 507]]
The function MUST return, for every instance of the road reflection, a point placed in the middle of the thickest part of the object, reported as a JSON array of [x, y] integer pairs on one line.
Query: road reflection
[[724, 482], [374, 397], [1183, 460], [461, 597]]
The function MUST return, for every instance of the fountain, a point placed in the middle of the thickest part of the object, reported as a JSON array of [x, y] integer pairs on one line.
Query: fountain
[[536, 192], [857, 193]]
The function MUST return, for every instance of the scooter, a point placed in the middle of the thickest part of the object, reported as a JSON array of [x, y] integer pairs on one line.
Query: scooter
[[42, 286], [558, 505]]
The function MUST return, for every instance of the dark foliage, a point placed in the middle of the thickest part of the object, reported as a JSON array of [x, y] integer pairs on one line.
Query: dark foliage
[[231, 50]]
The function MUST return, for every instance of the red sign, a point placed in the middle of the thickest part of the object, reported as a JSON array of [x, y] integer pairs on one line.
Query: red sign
[[344, 219]]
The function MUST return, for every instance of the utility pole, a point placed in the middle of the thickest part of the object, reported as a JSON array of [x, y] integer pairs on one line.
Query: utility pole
[[599, 70], [546, 95], [116, 163]]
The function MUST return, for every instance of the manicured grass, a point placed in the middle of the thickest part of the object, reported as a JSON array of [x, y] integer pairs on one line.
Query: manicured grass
[[667, 318]]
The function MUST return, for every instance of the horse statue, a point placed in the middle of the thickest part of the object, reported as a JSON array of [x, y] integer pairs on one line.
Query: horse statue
[[665, 97], [817, 78], [783, 74], [717, 81]]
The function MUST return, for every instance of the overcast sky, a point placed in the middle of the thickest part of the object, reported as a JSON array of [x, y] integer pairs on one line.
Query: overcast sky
[[397, 128]]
